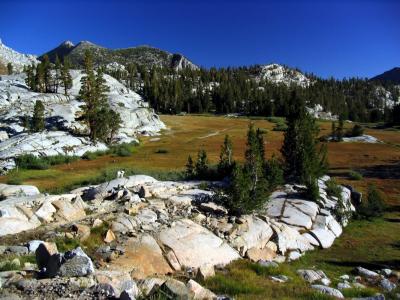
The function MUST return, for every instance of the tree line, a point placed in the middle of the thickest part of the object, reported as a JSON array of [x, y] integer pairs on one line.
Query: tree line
[[239, 90]]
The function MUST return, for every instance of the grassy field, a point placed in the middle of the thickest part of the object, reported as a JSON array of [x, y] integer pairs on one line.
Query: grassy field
[[373, 244]]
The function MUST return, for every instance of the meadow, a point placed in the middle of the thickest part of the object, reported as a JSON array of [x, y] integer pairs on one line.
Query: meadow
[[374, 244]]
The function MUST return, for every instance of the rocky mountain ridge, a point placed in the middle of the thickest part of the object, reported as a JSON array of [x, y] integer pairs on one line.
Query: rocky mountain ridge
[[142, 55]]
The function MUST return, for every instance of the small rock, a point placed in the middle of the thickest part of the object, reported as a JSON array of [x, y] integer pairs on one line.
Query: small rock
[[205, 271], [17, 250], [345, 277], [97, 223], [366, 273], [199, 292], [110, 236], [328, 290], [386, 272], [325, 281], [255, 254], [343, 285], [82, 231], [175, 289], [358, 285], [268, 264], [76, 264], [33, 245], [387, 285], [294, 255], [279, 278], [312, 275], [211, 207]]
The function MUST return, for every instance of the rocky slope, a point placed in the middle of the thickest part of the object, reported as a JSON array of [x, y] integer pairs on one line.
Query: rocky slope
[[156, 229], [279, 74], [18, 60], [64, 134], [143, 55]]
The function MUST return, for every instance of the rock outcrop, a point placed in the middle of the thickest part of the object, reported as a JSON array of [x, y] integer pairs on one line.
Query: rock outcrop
[[63, 134]]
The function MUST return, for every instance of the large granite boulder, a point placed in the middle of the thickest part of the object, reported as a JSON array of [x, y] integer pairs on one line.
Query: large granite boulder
[[194, 245]]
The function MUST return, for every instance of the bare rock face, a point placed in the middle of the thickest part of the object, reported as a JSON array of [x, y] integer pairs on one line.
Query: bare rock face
[[252, 233], [195, 246], [64, 133], [143, 257]]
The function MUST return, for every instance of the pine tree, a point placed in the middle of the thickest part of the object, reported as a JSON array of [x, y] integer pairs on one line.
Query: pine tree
[[226, 162], [38, 117], [274, 173], [66, 76], [340, 130], [103, 123], [303, 162], [201, 167], [46, 69], [10, 69], [30, 77], [190, 170], [248, 190], [333, 131], [57, 70]]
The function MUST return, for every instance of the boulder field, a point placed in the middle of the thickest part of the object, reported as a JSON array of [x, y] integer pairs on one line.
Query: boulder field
[[157, 228]]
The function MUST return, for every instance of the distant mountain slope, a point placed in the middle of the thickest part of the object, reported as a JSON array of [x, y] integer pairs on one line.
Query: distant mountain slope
[[280, 74], [18, 60], [392, 75], [143, 55]]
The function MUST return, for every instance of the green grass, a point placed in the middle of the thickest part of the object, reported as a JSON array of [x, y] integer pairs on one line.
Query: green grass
[[359, 293], [246, 280], [354, 175], [7, 265], [65, 244]]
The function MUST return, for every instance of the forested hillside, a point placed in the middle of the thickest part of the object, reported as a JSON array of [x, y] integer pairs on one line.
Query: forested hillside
[[246, 91]]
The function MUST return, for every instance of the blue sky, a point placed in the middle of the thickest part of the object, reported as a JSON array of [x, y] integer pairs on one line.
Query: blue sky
[[329, 38]]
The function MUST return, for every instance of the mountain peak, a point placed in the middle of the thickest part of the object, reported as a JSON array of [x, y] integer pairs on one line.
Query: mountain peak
[[67, 44]]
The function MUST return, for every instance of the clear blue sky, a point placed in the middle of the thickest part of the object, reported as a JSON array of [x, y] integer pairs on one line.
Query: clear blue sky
[[339, 38]]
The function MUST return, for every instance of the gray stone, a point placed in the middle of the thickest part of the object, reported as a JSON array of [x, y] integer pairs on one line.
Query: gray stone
[[76, 264], [366, 273], [33, 245], [311, 275], [175, 289], [328, 290], [195, 246], [343, 285], [279, 278], [387, 285], [17, 250], [268, 264]]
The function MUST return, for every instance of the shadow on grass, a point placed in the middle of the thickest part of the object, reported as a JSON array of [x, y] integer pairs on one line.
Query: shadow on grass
[[386, 171], [373, 265]]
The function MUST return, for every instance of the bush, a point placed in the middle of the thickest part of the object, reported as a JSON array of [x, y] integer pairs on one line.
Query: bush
[[373, 207], [29, 161], [121, 150], [161, 151], [353, 175], [333, 189], [312, 191], [357, 130]]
